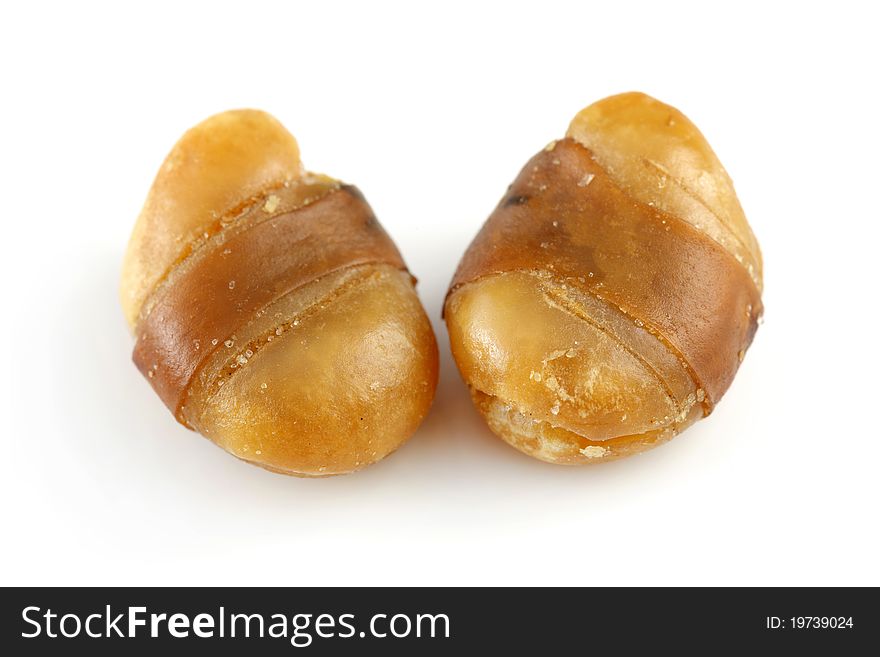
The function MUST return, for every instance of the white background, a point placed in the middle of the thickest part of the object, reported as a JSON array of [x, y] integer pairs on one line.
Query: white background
[[432, 112]]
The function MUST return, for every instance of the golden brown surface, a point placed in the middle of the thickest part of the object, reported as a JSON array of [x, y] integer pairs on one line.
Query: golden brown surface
[[658, 157], [213, 170], [273, 313], [262, 258], [598, 312]]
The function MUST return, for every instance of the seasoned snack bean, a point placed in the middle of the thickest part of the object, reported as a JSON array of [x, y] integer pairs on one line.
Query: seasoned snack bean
[[609, 299], [273, 314]]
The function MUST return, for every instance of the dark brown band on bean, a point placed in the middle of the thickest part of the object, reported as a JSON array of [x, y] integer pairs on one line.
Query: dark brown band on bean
[[565, 215], [223, 289]]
